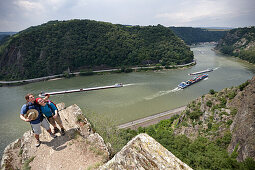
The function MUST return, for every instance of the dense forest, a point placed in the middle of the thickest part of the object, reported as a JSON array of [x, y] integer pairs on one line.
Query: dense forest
[[54, 47], [196, 35], [239, 42]]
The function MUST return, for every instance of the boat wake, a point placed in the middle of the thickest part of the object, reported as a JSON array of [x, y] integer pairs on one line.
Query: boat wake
[[161, 93], [216, 68], [125, 85]]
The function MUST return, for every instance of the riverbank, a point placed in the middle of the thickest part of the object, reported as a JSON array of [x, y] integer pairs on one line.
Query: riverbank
[[118, 70], [151, 120]]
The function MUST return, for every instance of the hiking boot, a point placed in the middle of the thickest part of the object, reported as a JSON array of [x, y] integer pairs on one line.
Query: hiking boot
[[37, 143], [56, 130], [53, 135], [63, 131]]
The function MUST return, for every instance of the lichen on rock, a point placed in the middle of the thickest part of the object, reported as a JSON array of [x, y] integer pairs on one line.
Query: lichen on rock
[[144, 152]]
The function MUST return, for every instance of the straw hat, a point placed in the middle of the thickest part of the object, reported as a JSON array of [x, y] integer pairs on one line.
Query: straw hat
[[31, 114]]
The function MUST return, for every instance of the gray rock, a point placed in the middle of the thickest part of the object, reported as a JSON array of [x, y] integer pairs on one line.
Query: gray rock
[[143, 152]]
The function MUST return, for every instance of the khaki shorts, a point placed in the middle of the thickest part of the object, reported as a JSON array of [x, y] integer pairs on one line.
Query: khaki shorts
[[52, 120], [37, 127]]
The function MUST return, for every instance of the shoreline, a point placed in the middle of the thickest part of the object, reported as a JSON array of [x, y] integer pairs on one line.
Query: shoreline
[[153, 119], [119, 70]]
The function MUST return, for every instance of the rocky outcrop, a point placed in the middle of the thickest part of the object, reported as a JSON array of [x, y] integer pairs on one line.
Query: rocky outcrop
[[243, 126], [143, 152], [79, 148]]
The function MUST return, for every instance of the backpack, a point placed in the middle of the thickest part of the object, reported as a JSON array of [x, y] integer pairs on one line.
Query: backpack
[[52, 111], [32, 104]]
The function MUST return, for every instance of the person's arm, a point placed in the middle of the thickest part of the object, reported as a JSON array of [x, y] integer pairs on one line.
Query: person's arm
[[54, 109], [46, 98], [23, 118], [22, 112], [56, 113]]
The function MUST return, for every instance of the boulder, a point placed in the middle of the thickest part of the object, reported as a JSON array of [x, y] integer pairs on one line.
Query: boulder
[[144, 152]]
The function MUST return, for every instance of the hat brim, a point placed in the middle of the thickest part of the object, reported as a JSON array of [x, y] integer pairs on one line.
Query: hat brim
[[32, 114]]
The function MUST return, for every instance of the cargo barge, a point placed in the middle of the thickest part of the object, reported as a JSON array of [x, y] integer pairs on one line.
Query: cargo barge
[[192, 81]]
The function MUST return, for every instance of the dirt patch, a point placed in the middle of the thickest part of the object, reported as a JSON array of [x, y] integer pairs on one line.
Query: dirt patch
[[66, 152]]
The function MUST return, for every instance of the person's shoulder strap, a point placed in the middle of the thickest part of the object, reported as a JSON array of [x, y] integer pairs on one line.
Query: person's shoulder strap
[[51, 109]]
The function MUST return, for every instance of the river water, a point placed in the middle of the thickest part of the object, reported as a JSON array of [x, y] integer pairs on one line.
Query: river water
[[144, 94]]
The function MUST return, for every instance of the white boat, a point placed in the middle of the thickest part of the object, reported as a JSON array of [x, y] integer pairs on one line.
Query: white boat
[[200, 72]]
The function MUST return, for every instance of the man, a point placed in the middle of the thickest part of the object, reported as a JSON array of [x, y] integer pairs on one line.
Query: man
[[37, 122], [51, 112]]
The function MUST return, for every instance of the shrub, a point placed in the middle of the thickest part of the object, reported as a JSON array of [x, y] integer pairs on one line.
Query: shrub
[[212, 92], [223, 102], [209, 103], [233, 111], [209, 125], [195, 114], [229, 122], [200, 122], [249, 164], [231, 95], [242, 86], [225, 140], [105, 126]]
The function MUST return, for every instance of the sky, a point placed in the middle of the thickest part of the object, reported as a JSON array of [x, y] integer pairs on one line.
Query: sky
[[17, 15]]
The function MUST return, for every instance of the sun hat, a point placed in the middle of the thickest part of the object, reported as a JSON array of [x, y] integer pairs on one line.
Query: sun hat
[[31, 114]]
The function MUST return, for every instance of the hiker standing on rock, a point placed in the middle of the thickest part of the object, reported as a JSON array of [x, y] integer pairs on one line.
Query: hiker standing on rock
[[51, 112], [31, 112]]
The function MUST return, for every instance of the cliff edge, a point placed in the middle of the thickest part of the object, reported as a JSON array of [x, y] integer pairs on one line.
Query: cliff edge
[[79, 148]]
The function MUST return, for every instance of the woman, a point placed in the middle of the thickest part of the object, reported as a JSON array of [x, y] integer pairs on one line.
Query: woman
[[51, 112]]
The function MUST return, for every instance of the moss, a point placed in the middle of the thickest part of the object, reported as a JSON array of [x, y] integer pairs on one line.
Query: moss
[[233, 111], [26, 164]]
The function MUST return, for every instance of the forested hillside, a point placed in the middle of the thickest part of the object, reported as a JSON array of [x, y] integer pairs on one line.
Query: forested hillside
[[239, 42], [54, 47], [196, 35]]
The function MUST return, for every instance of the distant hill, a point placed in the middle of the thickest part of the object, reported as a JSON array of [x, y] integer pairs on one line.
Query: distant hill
[[217, 28], [196, 35], [7, 33], [239, 42], [4, 36], [54, 47]]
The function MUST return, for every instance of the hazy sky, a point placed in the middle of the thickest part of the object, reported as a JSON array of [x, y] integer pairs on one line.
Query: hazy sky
[[16, 15]]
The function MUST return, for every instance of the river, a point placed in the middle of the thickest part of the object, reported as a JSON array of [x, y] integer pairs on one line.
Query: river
[[144, 94]]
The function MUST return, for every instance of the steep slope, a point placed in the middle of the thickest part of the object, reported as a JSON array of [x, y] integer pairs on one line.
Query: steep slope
[[239, 42], [54, 47], [243, 126]]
